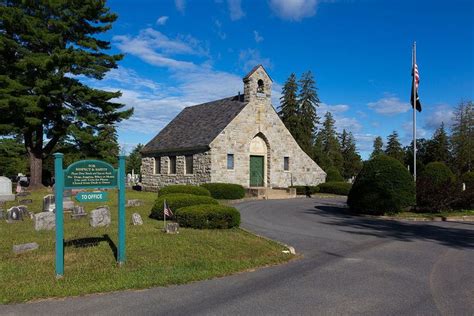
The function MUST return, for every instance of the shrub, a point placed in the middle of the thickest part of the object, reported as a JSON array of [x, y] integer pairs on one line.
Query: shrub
[[225, 191], [180, 188], [468, 179], [208, 216], [333, 175], [435, 188], [384, 185], [176, 201], [340, 188], [301, 189]]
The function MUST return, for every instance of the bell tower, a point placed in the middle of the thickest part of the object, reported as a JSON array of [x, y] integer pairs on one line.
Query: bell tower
[[257, 85]]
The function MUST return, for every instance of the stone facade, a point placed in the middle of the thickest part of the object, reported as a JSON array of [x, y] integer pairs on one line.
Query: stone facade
[[256, 130]]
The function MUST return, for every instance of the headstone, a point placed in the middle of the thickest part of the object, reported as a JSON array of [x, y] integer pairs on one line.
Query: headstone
[[25, 247], [137, 219], [24, 211], [6, 190], [26, 201], [100, 217], [172, 228], [134, 202], [49, 204], [14, 214], [45, 221], [23, 193], [78, 212]]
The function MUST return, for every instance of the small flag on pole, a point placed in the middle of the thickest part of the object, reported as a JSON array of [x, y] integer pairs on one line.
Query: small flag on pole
[[416, 77], [167, 211]]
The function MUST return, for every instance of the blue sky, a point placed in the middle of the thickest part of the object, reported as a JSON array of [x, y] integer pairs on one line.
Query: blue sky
[[184, 52]]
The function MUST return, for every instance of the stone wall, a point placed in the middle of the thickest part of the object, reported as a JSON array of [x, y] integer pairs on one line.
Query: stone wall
[[259, 118], [201, 170]]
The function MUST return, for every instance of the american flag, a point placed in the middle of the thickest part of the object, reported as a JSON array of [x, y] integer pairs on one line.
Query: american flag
[[416, 78], [166, 210]]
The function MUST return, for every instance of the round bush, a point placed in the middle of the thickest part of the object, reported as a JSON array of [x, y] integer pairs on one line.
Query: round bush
[[208, 216], [188, 189], [176, 201], [225, 191], [333, 175], [435, 188], [340, 188], [468, 179], [383, 185]]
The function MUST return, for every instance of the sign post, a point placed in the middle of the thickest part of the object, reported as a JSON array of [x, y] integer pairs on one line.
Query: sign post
[[85, 174]]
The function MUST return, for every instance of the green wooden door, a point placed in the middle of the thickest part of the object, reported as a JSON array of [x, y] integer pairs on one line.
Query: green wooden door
[[256, 171]]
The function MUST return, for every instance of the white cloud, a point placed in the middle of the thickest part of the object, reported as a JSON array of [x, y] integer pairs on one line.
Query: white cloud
[[342, 121], [441, 114], [294, 10], [180, 5], [249, 58], [162, 20], [222, 35], [235, 9], [389, 105], [258, 37]]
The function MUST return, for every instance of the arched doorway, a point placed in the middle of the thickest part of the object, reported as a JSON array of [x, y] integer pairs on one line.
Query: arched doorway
[[259, 157]]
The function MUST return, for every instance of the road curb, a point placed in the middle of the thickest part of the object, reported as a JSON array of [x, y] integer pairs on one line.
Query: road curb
[[291, 249], [466, 218]]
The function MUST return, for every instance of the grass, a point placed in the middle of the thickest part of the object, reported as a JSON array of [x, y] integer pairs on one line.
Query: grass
[[433, 215], [153, 257]]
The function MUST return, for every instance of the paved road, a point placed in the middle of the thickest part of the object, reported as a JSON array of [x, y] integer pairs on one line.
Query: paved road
[[350, 265]]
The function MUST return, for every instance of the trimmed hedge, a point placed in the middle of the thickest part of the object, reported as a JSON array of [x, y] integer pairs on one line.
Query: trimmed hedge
[[225, 191], [301, 189], [181, 188], [333, 175], [208, 216], [383, 185], [436, 189], [340, 188], [176, 201]]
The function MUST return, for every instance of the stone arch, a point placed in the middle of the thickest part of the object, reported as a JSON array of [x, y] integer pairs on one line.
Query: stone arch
[[259, 145], [260, 86]]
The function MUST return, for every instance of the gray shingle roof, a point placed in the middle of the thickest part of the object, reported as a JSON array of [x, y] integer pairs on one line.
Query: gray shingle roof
[[196, 126]]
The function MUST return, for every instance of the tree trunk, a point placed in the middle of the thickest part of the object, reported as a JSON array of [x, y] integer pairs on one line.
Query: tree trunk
[[36, 169]]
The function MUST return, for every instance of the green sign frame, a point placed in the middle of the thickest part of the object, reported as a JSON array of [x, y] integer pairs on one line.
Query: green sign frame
[[87, 174], [92, 196]]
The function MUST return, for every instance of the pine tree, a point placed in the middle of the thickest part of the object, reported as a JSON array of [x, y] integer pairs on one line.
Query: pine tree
[[12, 157], [438, 147], [394, 147], [289, 109], [331, 149], [378, 147], [45, 46], [462, 138], [352, 162], [134, 160], [308, 101]]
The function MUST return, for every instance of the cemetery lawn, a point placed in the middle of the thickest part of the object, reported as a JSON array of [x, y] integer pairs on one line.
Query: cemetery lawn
[[153, 258]]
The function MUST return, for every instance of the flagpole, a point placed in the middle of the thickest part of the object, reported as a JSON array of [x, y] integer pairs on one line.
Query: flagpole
[[164, 215], [414, 109]]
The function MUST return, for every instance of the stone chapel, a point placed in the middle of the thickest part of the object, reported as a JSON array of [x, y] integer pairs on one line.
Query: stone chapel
[[239, 139]]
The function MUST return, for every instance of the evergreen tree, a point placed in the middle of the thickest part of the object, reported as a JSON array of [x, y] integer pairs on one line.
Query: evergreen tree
[[45, 46], [289, 109], [378, 147], [330, 147], [438, 147], [462, 138], [352, 162], [308, 101], [134, 160], [421, 155], [394, 148], [13, 158]]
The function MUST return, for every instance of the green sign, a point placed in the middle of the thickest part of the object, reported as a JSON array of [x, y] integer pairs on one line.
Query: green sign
[[90, 174], [92, 197]]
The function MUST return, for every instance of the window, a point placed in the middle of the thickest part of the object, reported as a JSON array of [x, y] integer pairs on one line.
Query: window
[[230, 161], [172, 164], [260, 86], [157, 165], [188, 160], [286, 163]]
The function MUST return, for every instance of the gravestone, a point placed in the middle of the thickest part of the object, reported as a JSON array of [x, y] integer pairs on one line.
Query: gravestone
[[14, 214], [26, 201], [134, 202], [25, 247], [6, 190], [24, 211], [78, 212], [49, 204], [137, 219], [23, 193], [100, 217], [172, 228], [45, 221]]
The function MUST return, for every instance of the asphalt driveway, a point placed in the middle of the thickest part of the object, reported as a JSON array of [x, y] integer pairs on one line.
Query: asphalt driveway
[[350, 265]]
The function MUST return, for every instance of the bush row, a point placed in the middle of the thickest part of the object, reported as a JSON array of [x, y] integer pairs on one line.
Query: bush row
[[340, 188], [208, 216], [176, 201], [180, 188], [301, 189], [225, 191]]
